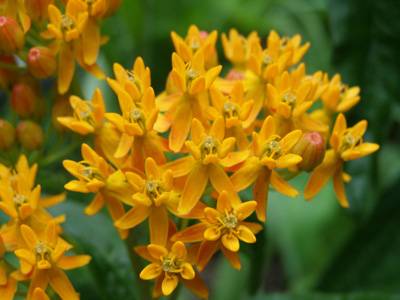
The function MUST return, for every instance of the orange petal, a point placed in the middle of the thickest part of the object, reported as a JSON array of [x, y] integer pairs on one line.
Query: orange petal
[[245, 209], [66, 68], [187, 271], [232, 257], [260, 193], [191, 234], [39, 280], [38, 294], [180, 126], [158, 224], [73, 261], [220, 181], [246, 235], [206, 251], [61, 284], [179, 250], [230, 242], [133, 217], [197, 286], [224, 202], [124, 145], [91, 41], [194, 188], [338, 185], [246, 175], [94, 206], [282, 186]]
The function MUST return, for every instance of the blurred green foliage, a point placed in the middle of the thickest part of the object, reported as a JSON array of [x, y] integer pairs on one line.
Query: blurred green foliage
[[344, 254]]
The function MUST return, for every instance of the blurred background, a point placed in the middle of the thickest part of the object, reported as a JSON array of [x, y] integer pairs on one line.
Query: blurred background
[[308, 250]]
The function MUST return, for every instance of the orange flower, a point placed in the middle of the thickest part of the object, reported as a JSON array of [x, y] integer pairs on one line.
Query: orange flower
[[221, 228], [195, 40], [270, 152], [170, 267], [193, 83], [96, 176], [8, 286], [347, 144], [235, 110], [47, 260], [153, 198]]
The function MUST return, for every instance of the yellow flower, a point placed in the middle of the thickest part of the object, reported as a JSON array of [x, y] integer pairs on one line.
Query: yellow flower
[[96, 176], [270, 152], [135, 82], [138, 125], [15, 9], [88, 116], [170, 267], [347, 144], [235, 110], [46, 257], [195, 40], [193, 83], [153, 198], [8, 286], [210, 154], [221, 228], [237, 48]]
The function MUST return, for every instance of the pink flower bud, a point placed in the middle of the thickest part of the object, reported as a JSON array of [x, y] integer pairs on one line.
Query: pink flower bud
[[311, 147], [30, 135], [12, 37], [23, 100], [41, 62], [7, 135]]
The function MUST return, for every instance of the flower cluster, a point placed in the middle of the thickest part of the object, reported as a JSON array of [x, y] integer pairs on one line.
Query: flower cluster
[[177, 158]]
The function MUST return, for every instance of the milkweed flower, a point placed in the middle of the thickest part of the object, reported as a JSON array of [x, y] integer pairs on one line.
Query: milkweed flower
[[46, 258], [8, 286], [169, 266], [270, 152], [153, 198], [222, 228], [96, 176], [347, 144]]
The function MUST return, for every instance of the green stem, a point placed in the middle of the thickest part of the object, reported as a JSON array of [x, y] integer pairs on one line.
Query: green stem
[[12, 67], [59, 155], [137, 267]]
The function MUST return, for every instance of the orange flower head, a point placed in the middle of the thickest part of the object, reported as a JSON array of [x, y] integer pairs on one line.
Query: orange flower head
[[194, 41], [135, 82], [95, 8], [65, 27], [171, 265], [88, 116], [237, 48]]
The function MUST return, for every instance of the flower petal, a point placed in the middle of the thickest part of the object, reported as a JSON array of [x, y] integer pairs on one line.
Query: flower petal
[[73, 261], [169, 284], [181, 122], [133, 217], [231, 242], [61, 284], [158, 224], [338, 185], [232, 257], [206, 251], [282, 186], [151, 271], [246, 235]]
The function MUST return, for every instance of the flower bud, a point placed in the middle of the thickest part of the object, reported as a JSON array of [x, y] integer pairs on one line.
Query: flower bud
[[311, 147], [61, 108], [7, 135], [7, 77], [30, 135], [11, 35], [234, 75], [23, 100], [41, 62], [38, 9]]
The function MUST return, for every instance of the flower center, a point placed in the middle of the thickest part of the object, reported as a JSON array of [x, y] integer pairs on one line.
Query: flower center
[[138, 117], [230, 221], [230, 110], [170, 264], [19, 200], [289, 99], [91, 173], [347, 143], [209, 147], [153, 189], [67, 24], [42, 252], [272, 149]]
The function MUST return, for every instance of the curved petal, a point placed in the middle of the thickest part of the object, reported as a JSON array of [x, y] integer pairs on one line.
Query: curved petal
[[246, 235], [73, 261], [158, 224], [338, 185], [220, 181], [151, 271], [191, 234], [169, 284], [231, 242], [232, 257], [282, 186], [181, 122], [61, 284], [260, 193], [206, 251]]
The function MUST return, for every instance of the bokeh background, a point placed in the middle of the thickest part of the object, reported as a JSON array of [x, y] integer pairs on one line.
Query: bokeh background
[[308, 250]]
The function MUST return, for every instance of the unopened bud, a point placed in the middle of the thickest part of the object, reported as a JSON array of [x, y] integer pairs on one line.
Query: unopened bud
[[311, 147], [61, 108], [23, 100], [234, 75], [7, 135], [30, 135], [12, 37], [38, 9], [41, 62], [7, 77]]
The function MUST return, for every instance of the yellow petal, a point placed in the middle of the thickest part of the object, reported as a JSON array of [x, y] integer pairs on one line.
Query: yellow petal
[[220, 181], [338, 185], [288, 160], [224, 202], [212, 233], [133, 217], [124, 145], [179, 250], [191, 234], [246, 235], [94, 206], [169, 284], [38, 294], [230, 242], [26, 256], [245, 209], [151, 271], [282, 186], [180, 126], [91, 41], [187, 271], [157, 251], [66, 69]]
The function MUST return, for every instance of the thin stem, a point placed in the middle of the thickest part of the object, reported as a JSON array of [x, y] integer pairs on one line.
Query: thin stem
[[137, 266], [59, 155], [12, 67]]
